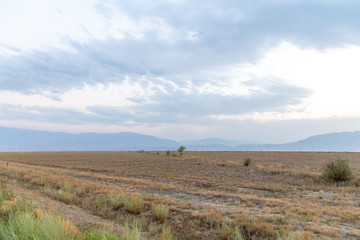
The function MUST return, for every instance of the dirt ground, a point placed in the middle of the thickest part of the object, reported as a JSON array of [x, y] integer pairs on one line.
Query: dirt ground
[[284, 189]]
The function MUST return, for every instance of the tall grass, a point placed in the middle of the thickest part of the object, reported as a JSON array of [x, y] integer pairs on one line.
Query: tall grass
[[20, 221], [100, 234], [166, 234], [24, 225], [131, 233]]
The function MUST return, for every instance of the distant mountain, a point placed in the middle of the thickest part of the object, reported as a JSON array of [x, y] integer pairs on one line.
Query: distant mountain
[[215, 142], [12, 139], [215, 147], [344, 141]]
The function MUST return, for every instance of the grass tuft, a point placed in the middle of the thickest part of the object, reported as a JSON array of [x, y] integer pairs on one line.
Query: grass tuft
[[100, 234], [108, 203], [133, 204], [166, 234], [130, 233], [160, 211]]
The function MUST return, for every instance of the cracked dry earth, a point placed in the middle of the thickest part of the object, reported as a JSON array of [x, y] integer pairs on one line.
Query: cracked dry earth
[[281, 188]]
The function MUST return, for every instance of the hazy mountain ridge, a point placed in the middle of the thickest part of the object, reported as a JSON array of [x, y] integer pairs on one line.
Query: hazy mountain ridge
[[13, 139], [215, 141], [342, 141], [29, 140]]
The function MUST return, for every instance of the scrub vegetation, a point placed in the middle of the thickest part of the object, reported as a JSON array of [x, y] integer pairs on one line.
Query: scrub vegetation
[[202, 195], [338, 171]]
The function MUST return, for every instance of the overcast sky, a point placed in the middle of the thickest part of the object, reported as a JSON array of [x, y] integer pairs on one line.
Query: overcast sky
[[267, 71]]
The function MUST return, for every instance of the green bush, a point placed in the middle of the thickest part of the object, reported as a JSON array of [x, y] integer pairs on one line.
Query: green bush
[[338, 171]]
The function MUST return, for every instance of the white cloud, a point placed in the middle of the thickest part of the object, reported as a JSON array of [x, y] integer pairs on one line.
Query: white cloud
[[62, 57], [37, 24], [112, 94], [332, 75]]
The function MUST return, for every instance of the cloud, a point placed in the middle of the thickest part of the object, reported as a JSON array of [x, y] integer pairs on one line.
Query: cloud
[[156, 103], [177, 40], [175, 62]]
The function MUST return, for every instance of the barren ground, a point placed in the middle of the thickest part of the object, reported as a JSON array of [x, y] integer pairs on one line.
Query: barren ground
[[279, 191]]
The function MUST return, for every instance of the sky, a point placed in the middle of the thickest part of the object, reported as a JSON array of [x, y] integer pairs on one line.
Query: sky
[[269, 71]]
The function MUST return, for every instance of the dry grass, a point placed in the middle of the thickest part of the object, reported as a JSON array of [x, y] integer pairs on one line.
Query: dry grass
[[133, 204], [281, 196], [160, 211], [166, 234]]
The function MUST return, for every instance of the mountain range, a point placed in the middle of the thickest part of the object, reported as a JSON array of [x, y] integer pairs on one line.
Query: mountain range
[[13, 139]]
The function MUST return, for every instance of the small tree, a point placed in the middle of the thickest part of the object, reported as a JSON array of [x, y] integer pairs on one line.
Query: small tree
[[181, 149]]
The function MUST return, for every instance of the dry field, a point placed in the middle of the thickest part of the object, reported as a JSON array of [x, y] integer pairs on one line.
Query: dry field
[[203, 195]]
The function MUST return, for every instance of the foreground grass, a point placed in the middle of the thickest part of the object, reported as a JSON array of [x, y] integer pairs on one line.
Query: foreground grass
[[110, 204], [21, 221], [118, 206]]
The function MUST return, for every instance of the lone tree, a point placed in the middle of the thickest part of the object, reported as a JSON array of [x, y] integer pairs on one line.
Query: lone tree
[[181, 149]]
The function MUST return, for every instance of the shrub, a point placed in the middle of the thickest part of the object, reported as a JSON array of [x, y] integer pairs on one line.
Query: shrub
[[160, 211], [247, 162], [133, 204], [338, 171]]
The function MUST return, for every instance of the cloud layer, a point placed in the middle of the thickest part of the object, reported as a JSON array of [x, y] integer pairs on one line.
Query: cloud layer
[[144, 65]]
